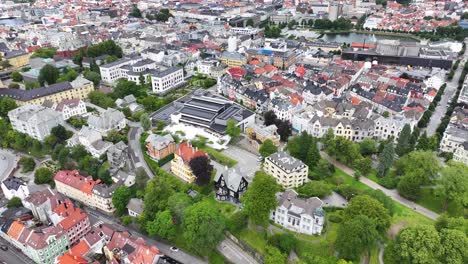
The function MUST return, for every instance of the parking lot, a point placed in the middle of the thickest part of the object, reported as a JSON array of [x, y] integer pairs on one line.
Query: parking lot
[[247, 162]]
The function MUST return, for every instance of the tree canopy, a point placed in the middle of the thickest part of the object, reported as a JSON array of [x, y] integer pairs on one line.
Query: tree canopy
[[120, 199], [202, 169], [370, 207], [267, 148], [203, 227], [48, 74], [260, 198]]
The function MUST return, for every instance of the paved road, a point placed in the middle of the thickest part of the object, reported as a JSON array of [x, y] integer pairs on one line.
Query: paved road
[[391, 193], [134, 149], [234, 253], [13, 255], [441, 108], [98, 217]]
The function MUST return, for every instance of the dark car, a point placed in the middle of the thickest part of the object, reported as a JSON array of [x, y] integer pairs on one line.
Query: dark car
[[4, 248]]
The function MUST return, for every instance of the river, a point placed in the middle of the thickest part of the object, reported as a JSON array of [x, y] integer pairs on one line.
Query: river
[[359, 37]]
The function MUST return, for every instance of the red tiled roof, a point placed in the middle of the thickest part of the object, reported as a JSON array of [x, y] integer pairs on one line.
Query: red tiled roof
[[259, 70], [68, 258], [76, 217], [15, 230], [75, 180], [80, 249], [187, 152]]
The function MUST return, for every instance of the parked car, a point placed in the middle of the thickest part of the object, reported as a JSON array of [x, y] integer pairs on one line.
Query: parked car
[[174, 249], [4, 248]]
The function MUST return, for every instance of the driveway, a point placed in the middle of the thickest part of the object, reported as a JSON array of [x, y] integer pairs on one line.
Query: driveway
[[134, 149], [390, 193], [247, 162]]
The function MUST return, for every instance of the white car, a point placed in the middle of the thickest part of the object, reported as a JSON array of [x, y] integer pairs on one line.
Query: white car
[[174, 249]]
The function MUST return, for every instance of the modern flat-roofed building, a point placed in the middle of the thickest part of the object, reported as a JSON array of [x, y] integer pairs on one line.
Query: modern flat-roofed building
[[288, 171], [204, 109], [34, 120]]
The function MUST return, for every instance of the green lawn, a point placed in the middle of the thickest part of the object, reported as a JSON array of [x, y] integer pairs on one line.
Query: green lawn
[[255, 239], [219, 157]]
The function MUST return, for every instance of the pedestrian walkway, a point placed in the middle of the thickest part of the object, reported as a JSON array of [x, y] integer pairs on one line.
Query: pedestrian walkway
[[390, 193]]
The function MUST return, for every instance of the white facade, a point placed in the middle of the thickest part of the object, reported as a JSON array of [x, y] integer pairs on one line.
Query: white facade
[[166, 80], [453, 138], [72, 109], [34, 120], [13, 187], [299, 215], [243, 30], [91, 140]]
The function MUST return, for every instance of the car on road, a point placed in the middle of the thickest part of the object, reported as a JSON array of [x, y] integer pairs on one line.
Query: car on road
[[174, 249], [260, 159], [4, 248]]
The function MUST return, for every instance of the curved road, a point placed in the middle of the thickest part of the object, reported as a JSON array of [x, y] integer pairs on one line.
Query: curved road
[[390, 193]]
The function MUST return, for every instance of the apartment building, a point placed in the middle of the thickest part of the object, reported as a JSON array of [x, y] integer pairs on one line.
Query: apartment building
[[288, 171], [85, 189], [461, 153], [453, 137], [233, 59], [76, 225], [182, 157], [34, 120], [257, 135], [299, 215], [77, 89], [16, 58]]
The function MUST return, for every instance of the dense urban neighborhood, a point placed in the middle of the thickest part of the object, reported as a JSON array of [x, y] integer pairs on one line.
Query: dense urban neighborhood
[[243, 132]]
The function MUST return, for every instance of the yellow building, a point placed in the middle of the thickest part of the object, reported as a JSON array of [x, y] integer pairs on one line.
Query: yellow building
[[182, 157], [258, 135], [77, 89], [288, 171], [233, 59], [17, 58]]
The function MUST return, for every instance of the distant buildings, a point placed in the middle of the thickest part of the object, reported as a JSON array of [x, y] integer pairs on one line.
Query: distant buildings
[[16, 58], [233, 59], [127, 249], [297, 214], [56, 93], [182, 157], [35, 121], [229, 185], [84, 189], [162, 79], [288, 171]]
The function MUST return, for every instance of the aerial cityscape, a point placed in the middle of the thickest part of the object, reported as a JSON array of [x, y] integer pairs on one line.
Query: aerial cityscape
[[238, 132]]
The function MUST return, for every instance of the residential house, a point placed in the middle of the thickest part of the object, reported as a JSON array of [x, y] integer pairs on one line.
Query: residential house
[[182, 157], [229, 185], [288, 171], [158, 147], [461, 153], [35, 121], [283, 108], [110, 119], [129, 102], [297, 214], [76, 225], [84, 189], [14, 187], [39, 204], [71, 107], [135, 207], [91, 139], [117, 156], [127, 249], [453, 137]]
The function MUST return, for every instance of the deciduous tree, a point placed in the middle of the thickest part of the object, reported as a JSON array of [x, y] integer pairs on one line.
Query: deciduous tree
[[120, 199], [267, 148], [370, 207], [48, 74], [417, 244], [232, 129], [260, 198], [162, 226], [355, 237], [203, 227], [202, 169], [453, 185], [145, 122]]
